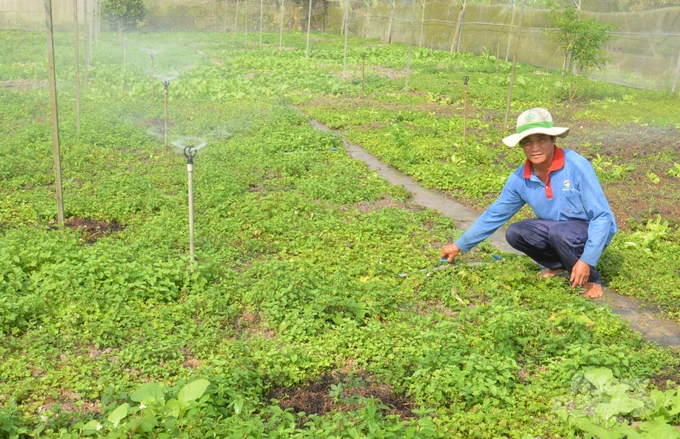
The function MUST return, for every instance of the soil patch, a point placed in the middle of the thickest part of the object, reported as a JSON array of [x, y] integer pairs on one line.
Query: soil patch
[[350, 392], [92, 230]]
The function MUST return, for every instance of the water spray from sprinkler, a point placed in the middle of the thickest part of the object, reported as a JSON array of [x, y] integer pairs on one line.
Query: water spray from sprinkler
[[189, 150]]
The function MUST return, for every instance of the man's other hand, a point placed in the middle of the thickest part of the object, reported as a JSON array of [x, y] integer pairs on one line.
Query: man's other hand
[[451, 251], [579, 274]]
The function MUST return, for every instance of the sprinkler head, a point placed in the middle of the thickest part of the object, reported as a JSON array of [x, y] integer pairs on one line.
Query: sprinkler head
[[363, 56], [166, 84], [190, 153], [465, 80]]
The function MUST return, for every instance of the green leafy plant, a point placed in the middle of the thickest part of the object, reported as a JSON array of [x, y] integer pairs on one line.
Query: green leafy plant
[[582, 40]]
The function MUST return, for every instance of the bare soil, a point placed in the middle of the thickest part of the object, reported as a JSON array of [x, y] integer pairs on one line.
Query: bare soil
[[92, 230], [315, 398]]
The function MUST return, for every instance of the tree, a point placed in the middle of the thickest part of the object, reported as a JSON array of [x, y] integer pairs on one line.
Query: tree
[[582, 40], [126, 14]]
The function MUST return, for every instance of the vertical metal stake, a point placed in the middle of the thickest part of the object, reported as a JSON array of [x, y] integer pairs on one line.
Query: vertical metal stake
[[190, 170], [54, 113], [166, 84]]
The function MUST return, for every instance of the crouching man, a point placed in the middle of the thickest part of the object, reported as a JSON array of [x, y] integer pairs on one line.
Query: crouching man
[[574, 221]]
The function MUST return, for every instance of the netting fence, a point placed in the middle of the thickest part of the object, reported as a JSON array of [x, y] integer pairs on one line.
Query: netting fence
[[645, 52]]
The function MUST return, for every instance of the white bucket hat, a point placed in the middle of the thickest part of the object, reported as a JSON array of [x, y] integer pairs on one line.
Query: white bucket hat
[[534, 121]]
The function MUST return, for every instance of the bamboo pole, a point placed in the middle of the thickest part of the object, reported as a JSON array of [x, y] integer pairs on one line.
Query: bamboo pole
[[465, 89], [54, 113], [410, 45], [77, 62], [456, 32], [389, 26], [346, 28], [281, 28], [87, 45], [226, 9], [422, 26], [261, 7], [675, 76], [309, 28], [512, 25], [245, 19], [514, 65], [363, 74], [498, 53], [233, 31]]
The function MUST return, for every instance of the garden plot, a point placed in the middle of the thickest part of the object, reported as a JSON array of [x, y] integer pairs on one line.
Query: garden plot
[[297, 288]]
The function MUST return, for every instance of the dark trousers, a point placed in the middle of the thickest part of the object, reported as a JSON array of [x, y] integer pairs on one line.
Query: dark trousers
[[552, 244]]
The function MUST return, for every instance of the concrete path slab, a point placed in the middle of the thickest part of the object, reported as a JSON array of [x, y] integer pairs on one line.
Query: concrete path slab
[[640, 315]]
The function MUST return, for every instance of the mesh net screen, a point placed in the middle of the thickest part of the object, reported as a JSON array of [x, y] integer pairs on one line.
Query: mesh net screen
[[645, 52]]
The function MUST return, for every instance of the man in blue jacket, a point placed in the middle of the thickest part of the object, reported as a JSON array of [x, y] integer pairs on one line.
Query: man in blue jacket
[[574, 222]]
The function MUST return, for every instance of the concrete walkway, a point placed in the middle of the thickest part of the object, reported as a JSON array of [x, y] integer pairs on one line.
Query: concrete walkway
[[639, 315]]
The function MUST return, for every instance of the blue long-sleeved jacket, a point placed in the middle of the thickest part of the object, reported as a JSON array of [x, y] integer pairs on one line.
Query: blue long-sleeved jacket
[[571, 193]]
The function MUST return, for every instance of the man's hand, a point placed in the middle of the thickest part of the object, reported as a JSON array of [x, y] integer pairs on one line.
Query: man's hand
[[579, 274], [451, 251]]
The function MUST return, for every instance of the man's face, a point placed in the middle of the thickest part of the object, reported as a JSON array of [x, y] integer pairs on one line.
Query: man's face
[[539, 149]]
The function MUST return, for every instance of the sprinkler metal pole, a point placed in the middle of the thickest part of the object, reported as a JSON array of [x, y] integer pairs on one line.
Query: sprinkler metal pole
[[465, 82], [166, 84], [54, 113], [77, 65], [190, 153]]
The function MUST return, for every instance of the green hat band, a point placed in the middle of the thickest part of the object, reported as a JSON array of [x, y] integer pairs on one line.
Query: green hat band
[[528, 126]]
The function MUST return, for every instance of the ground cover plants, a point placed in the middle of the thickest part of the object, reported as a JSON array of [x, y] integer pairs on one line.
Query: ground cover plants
[[313, 309]]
